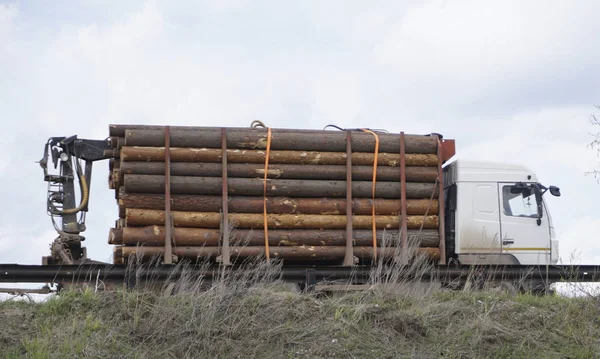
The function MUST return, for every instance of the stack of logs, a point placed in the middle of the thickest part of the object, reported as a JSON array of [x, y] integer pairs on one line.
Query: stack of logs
[[317, 199]]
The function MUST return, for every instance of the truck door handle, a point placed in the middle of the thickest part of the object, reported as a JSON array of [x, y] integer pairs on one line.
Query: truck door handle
[[508, 241]]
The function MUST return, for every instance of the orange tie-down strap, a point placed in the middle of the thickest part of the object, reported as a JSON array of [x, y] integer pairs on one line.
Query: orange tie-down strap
[[265, 219], [374, 182]]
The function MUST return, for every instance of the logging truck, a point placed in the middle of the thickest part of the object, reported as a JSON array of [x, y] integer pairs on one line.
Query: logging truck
[[340, 197]]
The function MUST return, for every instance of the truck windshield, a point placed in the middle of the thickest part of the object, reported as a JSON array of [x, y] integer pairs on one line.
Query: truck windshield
[[519, 204]]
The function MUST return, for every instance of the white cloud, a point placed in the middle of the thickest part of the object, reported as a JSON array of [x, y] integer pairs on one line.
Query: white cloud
[[470, 40], [224, 6], [4, 156], [8, 14], [18, 246], [509, 81], [580, 241], [462, 53]]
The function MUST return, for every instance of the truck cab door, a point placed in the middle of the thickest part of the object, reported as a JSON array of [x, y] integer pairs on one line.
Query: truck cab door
[[524, 234]]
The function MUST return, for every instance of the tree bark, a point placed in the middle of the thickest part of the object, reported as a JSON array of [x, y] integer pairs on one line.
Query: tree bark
[[145, 217], [281, 139], [308, 253], [281, 171], [155, 236], [275, 205], [178, 154], [291, 188]]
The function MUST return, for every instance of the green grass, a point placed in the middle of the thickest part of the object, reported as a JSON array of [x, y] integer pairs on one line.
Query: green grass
[[265, 321], [249, 314]]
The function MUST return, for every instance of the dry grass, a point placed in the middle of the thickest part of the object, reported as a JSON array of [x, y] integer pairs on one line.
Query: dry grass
[[267, 321], [253, 314]]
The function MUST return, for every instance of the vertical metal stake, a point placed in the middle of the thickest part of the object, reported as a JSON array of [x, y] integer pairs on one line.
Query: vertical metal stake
[[226, 255], [441, 204], [349, 255], [403, 225], [168, 258]]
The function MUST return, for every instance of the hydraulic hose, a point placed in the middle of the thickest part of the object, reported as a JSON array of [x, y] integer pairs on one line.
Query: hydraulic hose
[[85, 193]]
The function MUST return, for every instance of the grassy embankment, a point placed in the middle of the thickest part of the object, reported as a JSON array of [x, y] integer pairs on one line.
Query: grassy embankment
[[252, 316]]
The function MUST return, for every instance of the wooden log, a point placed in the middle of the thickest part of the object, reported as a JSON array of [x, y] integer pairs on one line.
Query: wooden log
[[155, 236], [282, 139], [118, 142], [117, 256], [275, 205], [179, 154], [289, 188], [295, 253], [147, 217], [282, 171], [120, 223]]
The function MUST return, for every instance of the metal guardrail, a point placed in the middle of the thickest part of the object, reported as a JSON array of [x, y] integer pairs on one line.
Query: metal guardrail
[[123, 274]]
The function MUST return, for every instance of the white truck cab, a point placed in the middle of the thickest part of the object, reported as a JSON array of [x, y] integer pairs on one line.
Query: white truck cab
[[495, 213]]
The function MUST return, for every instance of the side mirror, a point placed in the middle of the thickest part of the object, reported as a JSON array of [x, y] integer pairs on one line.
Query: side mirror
[[555, 191]]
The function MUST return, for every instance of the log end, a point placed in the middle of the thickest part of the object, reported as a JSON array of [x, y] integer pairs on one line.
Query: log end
[[118, 252], [115, 236]]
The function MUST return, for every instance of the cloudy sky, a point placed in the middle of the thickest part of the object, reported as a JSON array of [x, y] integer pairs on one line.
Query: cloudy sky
[[511, 81]]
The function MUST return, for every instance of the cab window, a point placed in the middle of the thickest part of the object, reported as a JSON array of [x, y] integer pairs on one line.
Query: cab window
[[520, 204]]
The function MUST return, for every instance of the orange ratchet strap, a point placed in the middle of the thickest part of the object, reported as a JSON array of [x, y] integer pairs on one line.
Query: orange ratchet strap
[[265, 219], [374, 182]]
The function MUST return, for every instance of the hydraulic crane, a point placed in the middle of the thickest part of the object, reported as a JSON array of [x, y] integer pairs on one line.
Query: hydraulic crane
[[68, 217]]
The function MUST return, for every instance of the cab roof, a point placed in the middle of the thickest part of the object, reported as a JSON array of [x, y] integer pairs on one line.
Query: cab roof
[[487, 171]]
